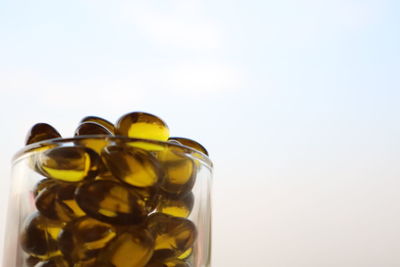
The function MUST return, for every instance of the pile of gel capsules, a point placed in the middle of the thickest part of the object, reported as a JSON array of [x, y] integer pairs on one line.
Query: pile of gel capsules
[[103, 203]]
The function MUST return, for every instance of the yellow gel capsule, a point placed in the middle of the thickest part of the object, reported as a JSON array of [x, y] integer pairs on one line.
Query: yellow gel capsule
[[178, 206], [42, 184], [36, 239], [47, 203], [40, 132], [133, 166], [172, 235], [83, 238], [142, 125], [179, 171], [190, 143], [66, 198], [69, 164], [92, 128], [133, 248], [105, 123], [112, 202], [150, 196]]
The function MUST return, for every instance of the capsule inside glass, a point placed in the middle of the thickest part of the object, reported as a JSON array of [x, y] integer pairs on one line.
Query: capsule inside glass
[[61, 189]]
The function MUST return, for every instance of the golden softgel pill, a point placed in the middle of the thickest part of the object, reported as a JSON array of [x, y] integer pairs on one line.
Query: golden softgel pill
[[70, 164], [179, 171], [111, 202], [172, 235], [178, 206], [36, 238], [132, 248], [133, 166], [57, 202], [190, 143], [91, 128], [82, 239], [142, 125], [105, 123], [40, 132]]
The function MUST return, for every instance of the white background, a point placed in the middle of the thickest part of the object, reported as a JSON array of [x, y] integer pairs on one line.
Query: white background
[[296, 101]]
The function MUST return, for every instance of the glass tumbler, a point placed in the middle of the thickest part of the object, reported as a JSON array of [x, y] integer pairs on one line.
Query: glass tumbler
[[98, 201]]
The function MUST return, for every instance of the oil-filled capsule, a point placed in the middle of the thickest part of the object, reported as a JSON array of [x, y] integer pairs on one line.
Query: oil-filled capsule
[[132, 248], [111, 202], [40, 132], [172, 235], [69, 164], [133, 166]]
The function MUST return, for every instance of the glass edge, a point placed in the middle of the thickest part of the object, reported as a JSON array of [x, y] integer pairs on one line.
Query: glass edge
[[56, 141]]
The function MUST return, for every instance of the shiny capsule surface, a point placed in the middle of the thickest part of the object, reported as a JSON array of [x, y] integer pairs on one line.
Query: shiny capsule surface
[[105, 123], [133, 166], [57, 202], [190, 143], [40, 132], [69, 164], [179, 171], [36, 238], [112, 202], [178, 206], [92, 128], [133, 248], [66, 198], [43, 184], [172, 235], [82, 239], [142, 125]]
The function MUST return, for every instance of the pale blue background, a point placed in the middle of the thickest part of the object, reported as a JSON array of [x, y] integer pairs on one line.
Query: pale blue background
[[297, 102]]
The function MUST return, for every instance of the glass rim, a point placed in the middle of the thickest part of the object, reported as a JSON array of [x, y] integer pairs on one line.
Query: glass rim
[[57, 141]]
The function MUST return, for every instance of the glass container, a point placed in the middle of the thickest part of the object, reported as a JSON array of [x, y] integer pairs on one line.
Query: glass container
[[109, 201]]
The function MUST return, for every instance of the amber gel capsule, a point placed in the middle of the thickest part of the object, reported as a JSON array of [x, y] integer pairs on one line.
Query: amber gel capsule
[[112, 202], [190, 143], [56, 200], [132, 248], [40, 132], [179, 171], [69, 164], [82, 239], [150, 196], [173, 235], [142, 125], [37, 237], [133, 166], [105, 123], [178, 206], [92, 128], [43, 184]]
